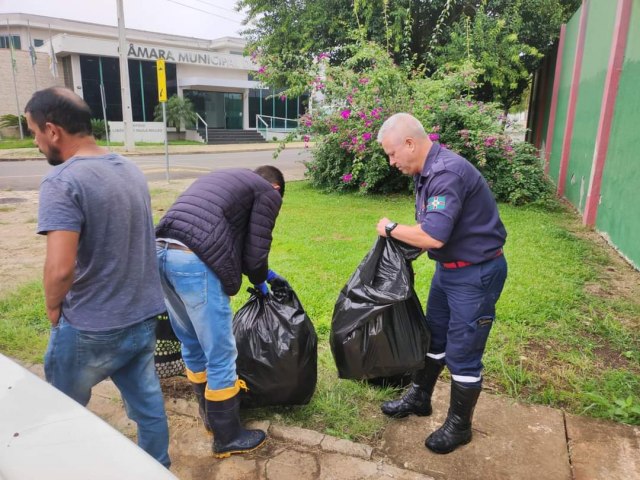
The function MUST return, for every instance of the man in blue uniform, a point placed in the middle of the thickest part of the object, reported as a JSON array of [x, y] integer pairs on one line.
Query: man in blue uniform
[[458, 224]]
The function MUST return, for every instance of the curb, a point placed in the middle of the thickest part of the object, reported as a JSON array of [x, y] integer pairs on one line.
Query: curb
[[34, 154], [296, 435]]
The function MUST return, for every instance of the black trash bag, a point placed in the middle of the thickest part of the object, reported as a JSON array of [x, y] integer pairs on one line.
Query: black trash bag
[[168, 353], [378, 330], [277, 348]]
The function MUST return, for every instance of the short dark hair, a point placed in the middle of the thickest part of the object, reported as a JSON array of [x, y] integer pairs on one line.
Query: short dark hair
[[61, 107], [272, 175]]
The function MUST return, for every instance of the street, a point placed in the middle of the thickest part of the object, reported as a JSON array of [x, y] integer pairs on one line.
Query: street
[[26, 174]]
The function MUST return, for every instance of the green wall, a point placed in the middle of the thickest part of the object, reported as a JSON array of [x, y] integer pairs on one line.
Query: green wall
[[571, 39], [595, 61], [619, 210]]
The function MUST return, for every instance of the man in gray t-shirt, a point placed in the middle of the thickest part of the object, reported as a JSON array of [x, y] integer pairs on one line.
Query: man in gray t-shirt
[[101, 281]]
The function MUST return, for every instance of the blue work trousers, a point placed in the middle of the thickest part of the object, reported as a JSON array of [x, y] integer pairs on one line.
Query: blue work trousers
[[76, 360], [460, 313], [201, 316]]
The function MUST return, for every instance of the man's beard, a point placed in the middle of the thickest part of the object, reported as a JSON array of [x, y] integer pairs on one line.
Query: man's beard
[[54, 158]]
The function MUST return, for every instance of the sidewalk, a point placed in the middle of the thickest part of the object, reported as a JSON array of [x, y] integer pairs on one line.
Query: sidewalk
[[15, 154], [511, 441]]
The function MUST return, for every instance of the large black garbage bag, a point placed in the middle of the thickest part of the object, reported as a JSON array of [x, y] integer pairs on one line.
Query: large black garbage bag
[[378, 329], [168, 353], [277, 349]]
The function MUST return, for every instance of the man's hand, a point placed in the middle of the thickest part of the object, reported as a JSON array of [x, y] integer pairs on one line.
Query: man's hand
[[410, 234], [54, 315], [381, 224], [262, 288]]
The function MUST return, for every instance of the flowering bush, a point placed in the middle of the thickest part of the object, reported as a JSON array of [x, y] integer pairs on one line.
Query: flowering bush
[[358, 95]]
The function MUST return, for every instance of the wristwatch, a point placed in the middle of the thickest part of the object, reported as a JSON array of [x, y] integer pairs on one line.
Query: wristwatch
[[388, 228]]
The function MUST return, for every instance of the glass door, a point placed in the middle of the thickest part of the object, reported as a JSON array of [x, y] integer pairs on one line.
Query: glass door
[[233, 110]]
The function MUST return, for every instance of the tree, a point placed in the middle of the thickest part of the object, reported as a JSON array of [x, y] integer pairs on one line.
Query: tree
[[179, 110], [493, 46], [289, 34]]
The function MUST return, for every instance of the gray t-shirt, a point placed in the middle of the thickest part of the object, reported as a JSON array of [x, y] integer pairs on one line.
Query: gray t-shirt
[[106, 199]]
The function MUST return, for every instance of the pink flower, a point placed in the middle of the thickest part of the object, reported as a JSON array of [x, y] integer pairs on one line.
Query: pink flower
[[283, 98], [489, 141], [375, 113], [366, 136], [368, 123], [363, 81], [347, 178], [362, 115], [349, 99], [434, 137], [345, 113], [306, 138], [262, 69], [323, 55], [363, 184], [334, 128]]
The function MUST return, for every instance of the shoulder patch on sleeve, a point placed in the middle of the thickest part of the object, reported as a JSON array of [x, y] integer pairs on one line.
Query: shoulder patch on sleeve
[[437, 203]]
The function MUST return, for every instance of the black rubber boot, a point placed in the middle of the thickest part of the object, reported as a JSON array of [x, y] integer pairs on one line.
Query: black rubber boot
[[230, 437], [456, 429], [417, 399], [198, 389]]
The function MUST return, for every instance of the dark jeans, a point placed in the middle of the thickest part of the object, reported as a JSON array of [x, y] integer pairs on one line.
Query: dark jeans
[[460, 313]]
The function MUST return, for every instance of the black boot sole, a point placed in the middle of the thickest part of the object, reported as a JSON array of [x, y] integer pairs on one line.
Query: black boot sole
[[235, 452], [448, 450], [406, 414]]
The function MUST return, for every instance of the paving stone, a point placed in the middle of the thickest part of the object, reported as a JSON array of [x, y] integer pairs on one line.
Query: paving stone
[[299, 436], [345, 447], [291, 464], [510, 441], [335, 466], [603, 450]]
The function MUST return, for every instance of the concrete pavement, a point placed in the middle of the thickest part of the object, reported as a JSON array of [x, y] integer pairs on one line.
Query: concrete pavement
[[511, 441]]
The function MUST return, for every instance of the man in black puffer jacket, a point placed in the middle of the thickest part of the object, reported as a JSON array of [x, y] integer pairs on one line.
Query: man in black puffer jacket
[[216, 231]]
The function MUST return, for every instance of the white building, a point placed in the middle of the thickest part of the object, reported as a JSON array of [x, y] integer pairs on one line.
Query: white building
[[213, 74]]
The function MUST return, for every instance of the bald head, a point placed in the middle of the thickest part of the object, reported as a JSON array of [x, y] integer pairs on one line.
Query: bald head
[[405, 142], [402, 125], [62, 107]]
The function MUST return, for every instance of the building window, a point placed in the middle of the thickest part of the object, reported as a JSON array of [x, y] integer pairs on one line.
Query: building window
[[143, 87], [37, 42], [270, 104], [15, 39]]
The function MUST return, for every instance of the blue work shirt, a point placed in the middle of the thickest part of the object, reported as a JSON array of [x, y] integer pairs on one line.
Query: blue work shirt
[[455, 206]]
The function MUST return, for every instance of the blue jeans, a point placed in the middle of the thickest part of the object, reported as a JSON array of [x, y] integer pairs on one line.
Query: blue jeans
[[201, 316], [77, 360], [460, 313]]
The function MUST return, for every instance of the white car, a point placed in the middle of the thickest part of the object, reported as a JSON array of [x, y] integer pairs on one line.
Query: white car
[[45, 434]]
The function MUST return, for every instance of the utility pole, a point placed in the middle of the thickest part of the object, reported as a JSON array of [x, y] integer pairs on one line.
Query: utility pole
[[127, 113]]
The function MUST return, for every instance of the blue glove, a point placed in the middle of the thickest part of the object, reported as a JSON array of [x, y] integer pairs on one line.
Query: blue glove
[[271, 275], [262, 288]]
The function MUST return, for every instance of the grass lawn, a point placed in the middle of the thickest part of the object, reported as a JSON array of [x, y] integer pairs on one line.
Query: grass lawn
[[564, 336]]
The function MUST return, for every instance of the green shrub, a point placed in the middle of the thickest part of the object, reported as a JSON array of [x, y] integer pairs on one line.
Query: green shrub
[[10, 120], [98, 128], [360, 93]]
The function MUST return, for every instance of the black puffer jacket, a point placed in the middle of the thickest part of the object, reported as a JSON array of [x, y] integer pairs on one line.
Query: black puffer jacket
[[226, 218]]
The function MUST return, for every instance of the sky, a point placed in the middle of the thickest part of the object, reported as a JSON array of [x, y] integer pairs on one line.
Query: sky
[[207, 19]]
